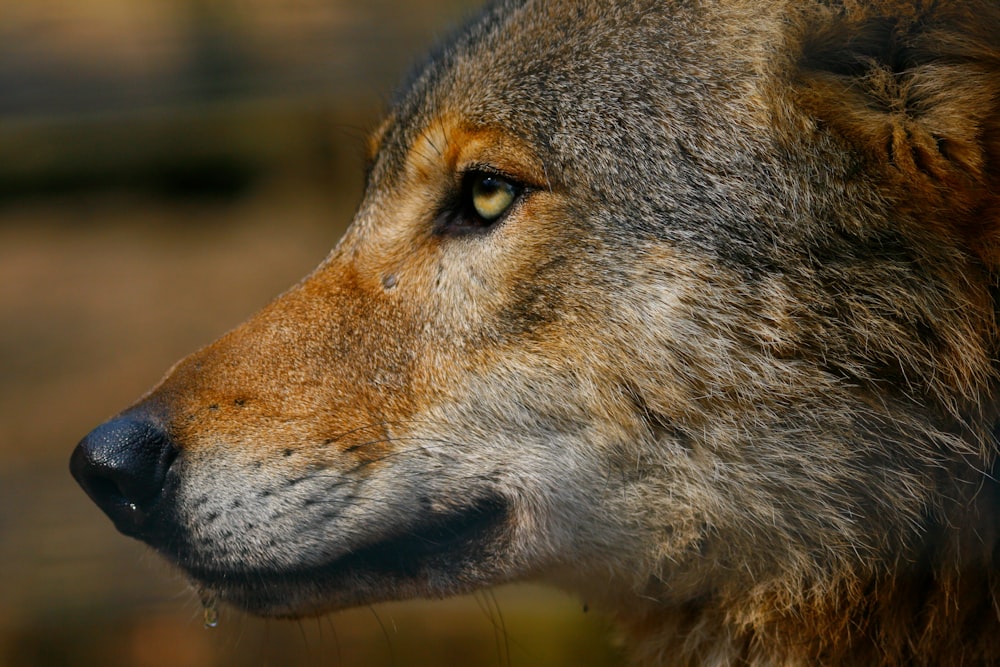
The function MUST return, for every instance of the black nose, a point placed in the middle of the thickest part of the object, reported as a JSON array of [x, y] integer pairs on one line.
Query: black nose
[[122, 465]]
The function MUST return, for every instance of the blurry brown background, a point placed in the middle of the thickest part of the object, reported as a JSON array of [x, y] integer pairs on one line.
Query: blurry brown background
[[166, 167]]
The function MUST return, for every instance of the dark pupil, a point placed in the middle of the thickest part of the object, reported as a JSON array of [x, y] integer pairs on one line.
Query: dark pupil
[[488, 186]]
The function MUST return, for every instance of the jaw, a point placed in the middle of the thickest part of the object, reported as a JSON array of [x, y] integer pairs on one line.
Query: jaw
[[454, 553]]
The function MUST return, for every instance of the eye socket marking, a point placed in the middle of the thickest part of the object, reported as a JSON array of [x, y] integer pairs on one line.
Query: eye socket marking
[[483, 200]]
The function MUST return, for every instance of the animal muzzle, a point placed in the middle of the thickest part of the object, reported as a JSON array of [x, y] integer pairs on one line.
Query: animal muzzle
[[122, 465]]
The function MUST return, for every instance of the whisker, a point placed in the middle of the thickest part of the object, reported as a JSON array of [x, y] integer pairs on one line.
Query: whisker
[[305, 639], [336, 637], [503, 626], [385, 633], [481, 602]]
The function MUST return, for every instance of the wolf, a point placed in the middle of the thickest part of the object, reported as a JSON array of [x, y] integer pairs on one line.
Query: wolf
[[686, 306]]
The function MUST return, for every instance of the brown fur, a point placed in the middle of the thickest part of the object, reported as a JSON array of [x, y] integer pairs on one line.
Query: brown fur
[[727, 367]]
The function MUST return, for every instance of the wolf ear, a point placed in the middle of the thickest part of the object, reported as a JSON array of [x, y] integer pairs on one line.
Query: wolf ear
[[914, 87]]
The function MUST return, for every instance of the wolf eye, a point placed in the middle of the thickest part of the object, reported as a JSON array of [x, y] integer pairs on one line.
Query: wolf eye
[[483, 200], [491, 196]]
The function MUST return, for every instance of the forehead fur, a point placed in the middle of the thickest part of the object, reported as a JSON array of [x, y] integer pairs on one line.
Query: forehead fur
[[663, 112], [609, 117]]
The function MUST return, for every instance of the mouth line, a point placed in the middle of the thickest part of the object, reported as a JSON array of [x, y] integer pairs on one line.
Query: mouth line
[[445, 548]]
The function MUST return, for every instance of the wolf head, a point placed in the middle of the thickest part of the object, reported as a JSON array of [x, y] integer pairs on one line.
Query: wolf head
[[688, 307]]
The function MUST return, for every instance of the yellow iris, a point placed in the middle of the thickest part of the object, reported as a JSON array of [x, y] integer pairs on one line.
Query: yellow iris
[[492, 196]]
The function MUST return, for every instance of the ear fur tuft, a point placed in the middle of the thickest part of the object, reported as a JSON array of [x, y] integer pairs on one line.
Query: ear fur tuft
[[915, 87]]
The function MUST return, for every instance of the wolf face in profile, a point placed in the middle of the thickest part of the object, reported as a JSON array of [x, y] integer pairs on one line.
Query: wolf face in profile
[[687, 306]]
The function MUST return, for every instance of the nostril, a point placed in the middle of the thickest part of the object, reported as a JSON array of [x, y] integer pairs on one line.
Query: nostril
[[108, 490], [122, 465]]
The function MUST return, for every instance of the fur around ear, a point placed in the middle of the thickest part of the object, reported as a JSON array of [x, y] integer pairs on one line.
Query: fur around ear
[[914, 85]]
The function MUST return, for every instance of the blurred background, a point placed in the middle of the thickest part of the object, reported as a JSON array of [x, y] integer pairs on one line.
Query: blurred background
[[167, 167]]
